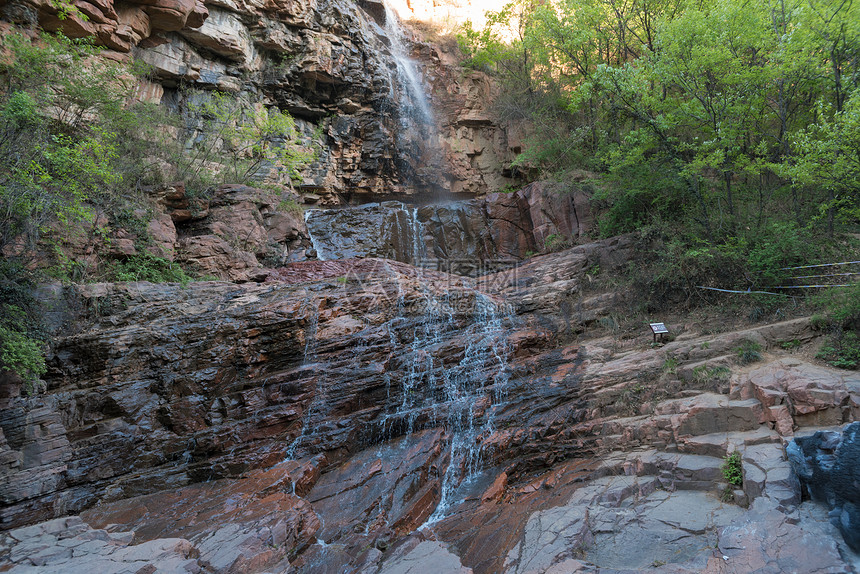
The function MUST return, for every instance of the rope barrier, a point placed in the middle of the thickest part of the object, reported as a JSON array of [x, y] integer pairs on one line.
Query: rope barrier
[[744, 292], [827, 275], [807, 286], [819, 265]]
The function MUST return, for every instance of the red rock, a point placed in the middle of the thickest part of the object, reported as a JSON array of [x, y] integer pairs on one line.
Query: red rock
[[496, 490]]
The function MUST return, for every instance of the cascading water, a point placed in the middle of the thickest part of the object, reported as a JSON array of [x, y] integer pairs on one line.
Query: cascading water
[[463, 397], [310, 332], [389, 230], [425, 388], [417, 105], [318, 249], [417, 140], [466, 387]]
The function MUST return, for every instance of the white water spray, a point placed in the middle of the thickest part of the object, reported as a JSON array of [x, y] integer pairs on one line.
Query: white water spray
[[407, 71]]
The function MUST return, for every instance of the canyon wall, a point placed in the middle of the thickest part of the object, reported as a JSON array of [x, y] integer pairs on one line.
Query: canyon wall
[[330, 65]]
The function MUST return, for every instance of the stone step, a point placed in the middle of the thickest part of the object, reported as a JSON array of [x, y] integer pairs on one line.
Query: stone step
[[671, 468], [767, 472], [718, 444], [709, 413]]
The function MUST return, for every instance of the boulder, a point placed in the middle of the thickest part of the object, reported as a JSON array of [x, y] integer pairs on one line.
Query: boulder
[[828, 465], [223, 33], [812, 395]]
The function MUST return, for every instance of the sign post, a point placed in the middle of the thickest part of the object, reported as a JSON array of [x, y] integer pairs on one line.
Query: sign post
[[658, 329]]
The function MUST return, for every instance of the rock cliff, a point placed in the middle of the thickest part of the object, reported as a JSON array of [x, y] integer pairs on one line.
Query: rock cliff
[[329, 64], [401, 385], [369, 416]]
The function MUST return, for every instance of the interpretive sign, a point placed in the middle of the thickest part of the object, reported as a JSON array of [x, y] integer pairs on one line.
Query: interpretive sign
[[658, 329]]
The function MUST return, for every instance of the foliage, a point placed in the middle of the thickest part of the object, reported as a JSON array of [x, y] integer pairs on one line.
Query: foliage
[[842, 321], [748, 352], [843, 308], [737, 120], [147, 267], [842, 350], [791, 345], [705, 374], [290, 205], [670, 365], [555, 242], [55, 162], [21, 334], [733, 469], [245, 142], [77, 144]]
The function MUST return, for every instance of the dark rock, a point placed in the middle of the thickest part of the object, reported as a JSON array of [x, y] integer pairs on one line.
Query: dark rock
[[828, 465], [471, 238]]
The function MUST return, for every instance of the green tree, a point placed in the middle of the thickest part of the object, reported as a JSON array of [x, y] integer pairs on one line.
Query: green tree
[[827, 155]]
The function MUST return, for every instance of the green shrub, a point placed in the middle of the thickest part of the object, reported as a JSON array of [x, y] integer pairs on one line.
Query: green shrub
[[75, 143], [21, 331], [289, 205], [633, 197], [733, 469], [748, 352], [791, 345], [670, 365], [705, 374], [57, 141], [842, 320], [147, 267], [842, 350], [773, 247], [21, 354], [245, 140]]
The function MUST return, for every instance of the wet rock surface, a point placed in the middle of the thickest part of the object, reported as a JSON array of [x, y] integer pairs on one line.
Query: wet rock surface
[[370, 416], [828, 465], [471, 238]]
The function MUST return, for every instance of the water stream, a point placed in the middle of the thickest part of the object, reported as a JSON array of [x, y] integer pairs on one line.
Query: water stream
[[417, 105], [311, 314], [448, 346]]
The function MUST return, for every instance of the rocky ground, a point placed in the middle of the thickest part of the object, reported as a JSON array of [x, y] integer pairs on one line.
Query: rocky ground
[[368, 416]]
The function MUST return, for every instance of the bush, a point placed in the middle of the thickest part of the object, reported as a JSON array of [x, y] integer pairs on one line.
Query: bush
[[245, 141], [748, 352], [147, 267], [677, 268], [842, 350], [58, 147], [74, 142], [633, 197], [842, 320], [733, 469], [767, 251], [21, 332]]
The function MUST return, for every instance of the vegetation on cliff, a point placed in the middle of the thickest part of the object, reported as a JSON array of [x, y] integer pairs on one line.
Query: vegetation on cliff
[[728, 116], [78, 147], [727, 131]]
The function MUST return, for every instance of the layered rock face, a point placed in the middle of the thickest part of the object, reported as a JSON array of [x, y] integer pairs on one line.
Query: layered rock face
[[237, 233], [331, 65], [370, 416], [471, 238]]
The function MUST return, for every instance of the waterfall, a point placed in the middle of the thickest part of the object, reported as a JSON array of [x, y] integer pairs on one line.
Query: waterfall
[[420, 158], [462, 397], [419, 249], [311, 314], [407, 71], [389, 230], [308, 217], [466, 390]]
